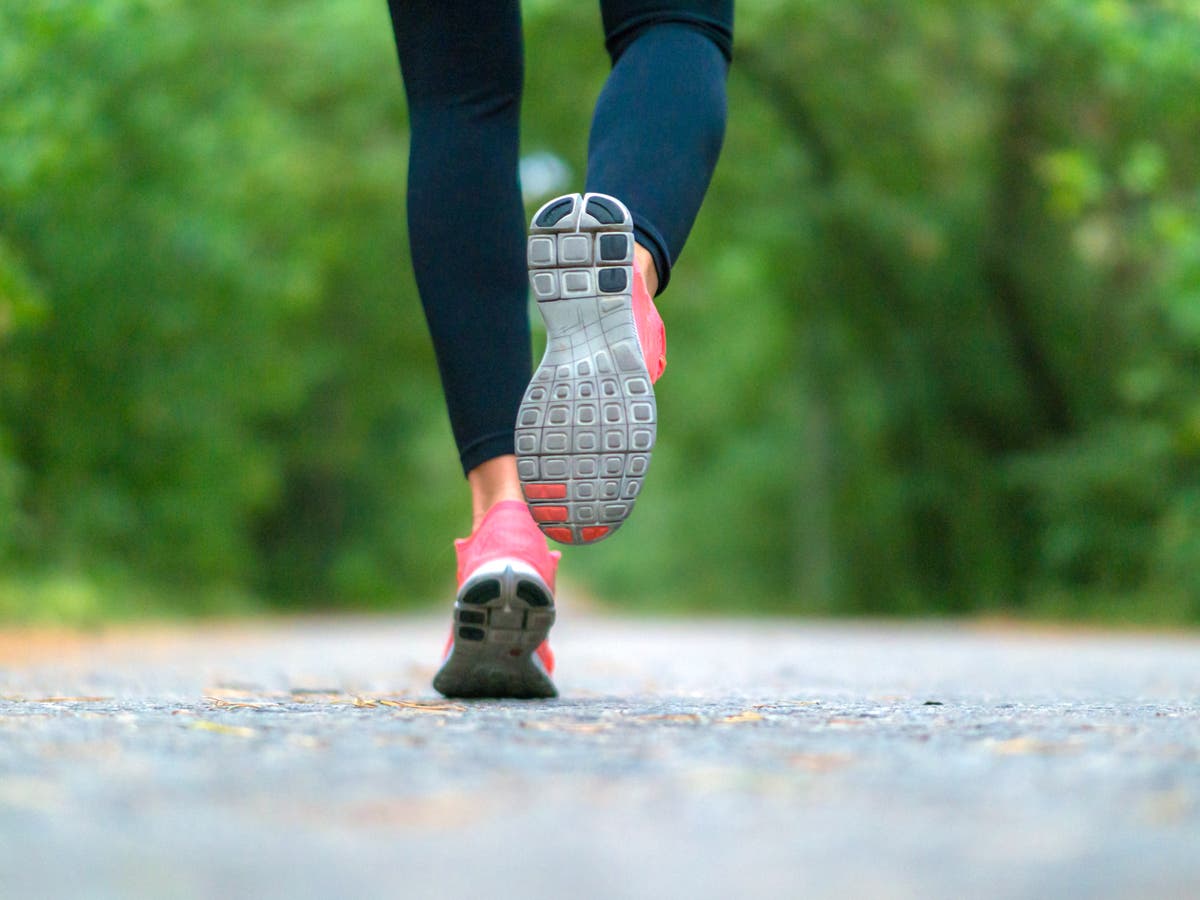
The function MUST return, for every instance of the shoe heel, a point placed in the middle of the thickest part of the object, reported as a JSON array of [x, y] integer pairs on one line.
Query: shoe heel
[[501, 618]]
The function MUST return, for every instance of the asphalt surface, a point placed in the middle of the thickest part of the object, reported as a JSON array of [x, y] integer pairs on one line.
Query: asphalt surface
[[706, 759]]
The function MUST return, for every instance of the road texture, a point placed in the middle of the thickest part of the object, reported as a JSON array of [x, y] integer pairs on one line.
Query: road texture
[[706, 759]]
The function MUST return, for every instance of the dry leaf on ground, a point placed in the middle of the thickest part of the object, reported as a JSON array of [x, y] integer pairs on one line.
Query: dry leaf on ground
[[426, 706], [1027, 745], [739, 718], [777, 703], [235, 704], [73, 700], [234, 693], [690, 718], [219, 728], [576, 727]]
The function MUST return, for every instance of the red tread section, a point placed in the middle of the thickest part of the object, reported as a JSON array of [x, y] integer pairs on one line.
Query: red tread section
[[546, 491], [562, 535], [595, 532], [549, 513]]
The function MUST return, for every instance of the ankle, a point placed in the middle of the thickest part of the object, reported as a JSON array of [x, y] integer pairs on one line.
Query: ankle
[[644, 263], [491, 482]]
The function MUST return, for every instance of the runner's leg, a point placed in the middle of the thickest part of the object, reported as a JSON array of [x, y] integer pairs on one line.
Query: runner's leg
[[660, 120], [462, 66]]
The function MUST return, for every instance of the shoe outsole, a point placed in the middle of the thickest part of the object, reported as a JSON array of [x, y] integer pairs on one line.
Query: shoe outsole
[[588, 421], [500, 619]]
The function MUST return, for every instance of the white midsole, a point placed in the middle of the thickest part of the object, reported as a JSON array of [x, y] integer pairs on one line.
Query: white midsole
[[498, 565]]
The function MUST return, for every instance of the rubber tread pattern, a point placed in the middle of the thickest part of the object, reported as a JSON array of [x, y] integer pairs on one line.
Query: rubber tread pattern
[[588, 421], [551, 214]]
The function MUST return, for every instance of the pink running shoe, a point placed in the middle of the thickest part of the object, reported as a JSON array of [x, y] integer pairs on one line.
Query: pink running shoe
[[588, 421], [503, 612]]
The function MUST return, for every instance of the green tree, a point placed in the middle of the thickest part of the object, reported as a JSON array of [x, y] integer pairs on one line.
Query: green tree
[[933, 342]]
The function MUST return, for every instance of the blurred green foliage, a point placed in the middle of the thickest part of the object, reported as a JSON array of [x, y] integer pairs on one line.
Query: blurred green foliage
[[934, 341]]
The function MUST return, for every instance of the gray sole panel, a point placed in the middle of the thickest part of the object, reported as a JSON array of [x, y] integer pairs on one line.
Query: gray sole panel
[[500, 619], [588, 421]]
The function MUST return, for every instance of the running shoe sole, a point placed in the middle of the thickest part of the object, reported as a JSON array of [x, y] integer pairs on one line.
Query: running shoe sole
[[502, 615], [588, 421]]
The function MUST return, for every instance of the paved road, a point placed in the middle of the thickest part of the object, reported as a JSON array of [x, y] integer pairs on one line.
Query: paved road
[[717, 759]]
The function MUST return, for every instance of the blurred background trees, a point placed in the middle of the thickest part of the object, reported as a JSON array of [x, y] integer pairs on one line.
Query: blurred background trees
[[934, 341]]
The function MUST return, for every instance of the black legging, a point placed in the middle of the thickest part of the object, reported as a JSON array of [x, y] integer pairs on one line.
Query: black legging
[[655, 137]]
